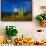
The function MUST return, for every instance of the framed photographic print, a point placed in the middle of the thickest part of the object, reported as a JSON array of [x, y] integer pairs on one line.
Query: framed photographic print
[[16, 10]]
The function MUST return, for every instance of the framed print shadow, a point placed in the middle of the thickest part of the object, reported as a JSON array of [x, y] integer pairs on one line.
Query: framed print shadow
[[16, 10]]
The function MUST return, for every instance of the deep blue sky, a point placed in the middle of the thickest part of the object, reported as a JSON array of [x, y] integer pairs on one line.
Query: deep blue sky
[[11, 5]]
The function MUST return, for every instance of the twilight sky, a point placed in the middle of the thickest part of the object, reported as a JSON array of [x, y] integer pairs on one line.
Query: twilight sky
[[15, 5]]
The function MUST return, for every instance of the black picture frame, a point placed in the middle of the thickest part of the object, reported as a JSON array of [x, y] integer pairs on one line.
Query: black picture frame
[[16, 10]]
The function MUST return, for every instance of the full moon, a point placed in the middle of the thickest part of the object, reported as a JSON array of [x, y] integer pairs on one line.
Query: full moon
[[15, 10]]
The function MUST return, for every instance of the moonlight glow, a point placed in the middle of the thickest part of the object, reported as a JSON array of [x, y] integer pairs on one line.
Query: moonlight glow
[[15, 10]]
